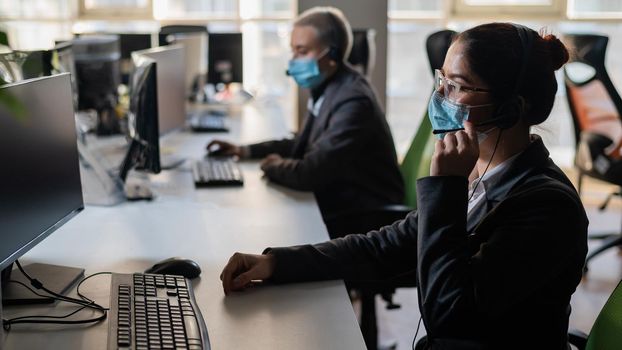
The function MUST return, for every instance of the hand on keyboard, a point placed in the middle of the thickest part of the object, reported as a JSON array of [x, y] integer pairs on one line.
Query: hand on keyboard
[[244, 268], [270, 161], [223, 148]]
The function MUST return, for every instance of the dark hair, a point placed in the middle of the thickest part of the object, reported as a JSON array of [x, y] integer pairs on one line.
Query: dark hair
[[494, 53], [332, 27]]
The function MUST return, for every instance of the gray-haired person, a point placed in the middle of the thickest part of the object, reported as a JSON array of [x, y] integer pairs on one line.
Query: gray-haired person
[[345, 152]]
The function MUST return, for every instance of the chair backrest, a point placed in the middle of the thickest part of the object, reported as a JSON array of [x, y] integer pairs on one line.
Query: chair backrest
[[437, 45], [606, 333], [363, 53], [594, 102], [417, 160], [182, 28], [179, 29]]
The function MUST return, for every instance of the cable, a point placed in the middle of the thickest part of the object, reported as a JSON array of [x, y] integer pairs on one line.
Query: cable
[[84, 303], [86, 278], [487, 165], [38, 285], [417, 331], [471, 197]]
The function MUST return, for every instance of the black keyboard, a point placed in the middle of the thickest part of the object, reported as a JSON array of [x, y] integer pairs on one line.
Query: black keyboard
[[149, 311], [217, 171], [208, 122]]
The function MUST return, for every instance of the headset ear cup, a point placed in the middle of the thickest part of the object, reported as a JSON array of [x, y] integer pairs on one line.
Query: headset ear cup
[[510, 112], [333, 53]]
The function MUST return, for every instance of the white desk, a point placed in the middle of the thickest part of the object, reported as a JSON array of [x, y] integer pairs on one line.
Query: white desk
[[206, 225]]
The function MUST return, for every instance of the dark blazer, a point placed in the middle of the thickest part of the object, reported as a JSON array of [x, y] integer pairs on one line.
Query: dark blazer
[[483, 281], [347, 157]]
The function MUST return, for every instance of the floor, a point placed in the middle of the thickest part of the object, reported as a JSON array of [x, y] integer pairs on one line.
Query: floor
[[397, 327]]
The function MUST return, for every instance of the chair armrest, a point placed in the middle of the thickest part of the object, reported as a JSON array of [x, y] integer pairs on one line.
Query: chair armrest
[[577, 338], [364, 220]]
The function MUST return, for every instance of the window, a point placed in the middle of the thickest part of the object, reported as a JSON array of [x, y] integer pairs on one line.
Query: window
[[116, 8], [533, 8], [37, 9], [409, 9], [274, 9], [190, 9], [595, 9]]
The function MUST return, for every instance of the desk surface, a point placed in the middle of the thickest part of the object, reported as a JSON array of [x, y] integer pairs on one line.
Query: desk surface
[[205, 225]]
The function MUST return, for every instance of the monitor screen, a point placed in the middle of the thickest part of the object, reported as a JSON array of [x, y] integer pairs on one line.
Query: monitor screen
[[98, 74], [128, 44], [11, 66], [133, 42], [19, 65], [144, 150], [62, 61], [225, 58], [195, 46], [40, 178], [171, 76]]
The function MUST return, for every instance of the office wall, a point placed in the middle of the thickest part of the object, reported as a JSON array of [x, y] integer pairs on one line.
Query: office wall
[[361, 14]]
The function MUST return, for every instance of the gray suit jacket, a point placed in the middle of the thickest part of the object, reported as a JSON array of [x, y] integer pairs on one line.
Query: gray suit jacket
[[348, 158]]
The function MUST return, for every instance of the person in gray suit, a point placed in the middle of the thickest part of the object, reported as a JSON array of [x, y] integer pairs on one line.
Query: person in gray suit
[[345, 152]]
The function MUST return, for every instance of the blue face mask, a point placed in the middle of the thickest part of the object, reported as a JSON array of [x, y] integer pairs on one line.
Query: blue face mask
[[306, 71], [445, 114]]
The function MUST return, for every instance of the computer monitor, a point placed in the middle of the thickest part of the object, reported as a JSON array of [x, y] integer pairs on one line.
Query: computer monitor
[[40, 183], [97, 59], [128, 44], [144, 150], [225, 58], [11, 66], [171, 78], [195, 46], [62, 60], [19, 65]]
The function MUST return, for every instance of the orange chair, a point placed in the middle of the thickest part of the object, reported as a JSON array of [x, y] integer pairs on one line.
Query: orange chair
[[596, 109]]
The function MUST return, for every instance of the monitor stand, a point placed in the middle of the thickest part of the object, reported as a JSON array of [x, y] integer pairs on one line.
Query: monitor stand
[[59, 279], [99, 186], [170, 161]]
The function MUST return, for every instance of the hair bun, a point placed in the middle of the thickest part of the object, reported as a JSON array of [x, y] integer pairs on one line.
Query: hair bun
[[557, 51]]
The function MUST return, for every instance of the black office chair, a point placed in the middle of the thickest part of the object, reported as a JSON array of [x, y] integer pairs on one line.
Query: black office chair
[[596, 109], [363, 54], [361, 221]]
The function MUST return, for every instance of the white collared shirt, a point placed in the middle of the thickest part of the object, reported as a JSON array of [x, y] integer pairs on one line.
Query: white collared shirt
[[314, 108], [478, 194]]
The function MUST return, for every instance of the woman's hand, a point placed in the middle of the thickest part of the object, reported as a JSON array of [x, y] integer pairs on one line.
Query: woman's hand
[[456, 154], [271, 160], [244, 268], [224, 148]]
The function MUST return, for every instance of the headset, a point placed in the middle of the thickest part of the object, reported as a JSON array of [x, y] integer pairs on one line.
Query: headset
[[513, 108], [508, 113], [333, 49]]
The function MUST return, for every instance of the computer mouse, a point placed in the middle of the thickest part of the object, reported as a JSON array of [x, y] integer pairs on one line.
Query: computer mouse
[[135, 191], [176, 266], [215, 150]]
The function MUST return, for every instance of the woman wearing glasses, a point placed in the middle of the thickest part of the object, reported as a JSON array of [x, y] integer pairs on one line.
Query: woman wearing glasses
[[499, 237]]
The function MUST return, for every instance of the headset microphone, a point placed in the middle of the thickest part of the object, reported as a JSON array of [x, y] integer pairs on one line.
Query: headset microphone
[[488, 122]]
